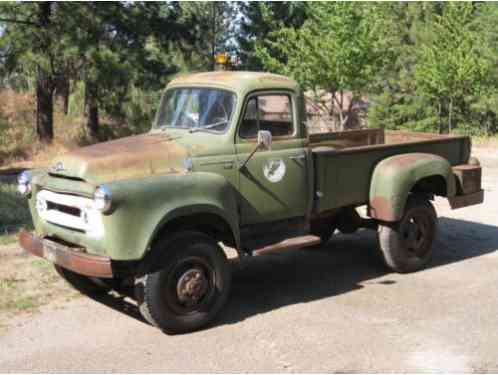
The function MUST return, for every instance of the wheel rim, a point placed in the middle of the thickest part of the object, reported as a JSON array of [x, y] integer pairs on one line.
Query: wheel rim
[[191, 285], [416, 230]]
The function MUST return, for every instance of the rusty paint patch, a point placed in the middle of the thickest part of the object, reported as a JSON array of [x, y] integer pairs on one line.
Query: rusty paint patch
[[236, 80], [207, 77], [128, 144], [349, 138], [466, 200], [469, 178], [402, 161], [274, 78], [125, 158], [64, 256], [288, 244], [402, 137]]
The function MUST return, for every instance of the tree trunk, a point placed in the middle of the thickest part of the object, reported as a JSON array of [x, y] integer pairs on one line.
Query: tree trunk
[[343, 118], [64, 90], [213, 40], [45, 85], [439, 118], [91, 108], [450, 112], [66, 101], [44, 107]]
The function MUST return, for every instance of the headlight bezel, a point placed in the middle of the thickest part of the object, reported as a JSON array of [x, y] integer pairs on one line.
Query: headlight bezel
[[24, 183], [102, 199]]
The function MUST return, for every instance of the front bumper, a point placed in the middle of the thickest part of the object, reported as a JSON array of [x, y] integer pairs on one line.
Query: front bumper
[[66, 257]]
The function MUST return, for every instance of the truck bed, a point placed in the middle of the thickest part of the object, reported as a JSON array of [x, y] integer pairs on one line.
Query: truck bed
[[344, 161]]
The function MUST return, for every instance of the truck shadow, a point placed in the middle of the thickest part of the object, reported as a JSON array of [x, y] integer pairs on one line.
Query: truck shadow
[[347, 263]]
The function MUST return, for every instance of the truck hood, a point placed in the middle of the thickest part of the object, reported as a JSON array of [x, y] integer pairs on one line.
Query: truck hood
[[126, 158]]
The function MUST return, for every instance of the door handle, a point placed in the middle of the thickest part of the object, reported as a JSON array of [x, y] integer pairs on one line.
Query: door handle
[[228, 165], [298, 157]]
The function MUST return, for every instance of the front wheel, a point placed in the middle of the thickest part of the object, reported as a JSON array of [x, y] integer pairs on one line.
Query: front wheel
[[189, 288], [406, 246]]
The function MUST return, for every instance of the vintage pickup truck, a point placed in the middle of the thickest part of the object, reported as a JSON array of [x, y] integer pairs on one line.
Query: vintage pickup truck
[[229, 163]]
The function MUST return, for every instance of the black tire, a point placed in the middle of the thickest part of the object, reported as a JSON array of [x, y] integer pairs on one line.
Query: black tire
[[406, 246], [84, 284], [189, 288]]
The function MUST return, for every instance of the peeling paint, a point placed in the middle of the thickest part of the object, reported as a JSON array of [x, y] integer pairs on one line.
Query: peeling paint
[[131, 157]]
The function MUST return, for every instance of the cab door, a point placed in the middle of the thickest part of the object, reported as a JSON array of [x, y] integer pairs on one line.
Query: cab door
[[273, 184]]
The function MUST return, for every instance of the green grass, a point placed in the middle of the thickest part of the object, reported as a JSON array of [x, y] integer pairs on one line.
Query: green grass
[[14, 214], [26, 284], [24, 303], [8, 284], [41, 263], [11, 286], [6, 239]]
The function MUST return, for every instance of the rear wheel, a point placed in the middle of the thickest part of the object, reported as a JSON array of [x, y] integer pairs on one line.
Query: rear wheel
[[189, 288], [84, 284], [406, 246]]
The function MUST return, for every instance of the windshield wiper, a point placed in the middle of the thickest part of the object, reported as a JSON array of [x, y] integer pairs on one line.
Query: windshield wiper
[[209, 126]]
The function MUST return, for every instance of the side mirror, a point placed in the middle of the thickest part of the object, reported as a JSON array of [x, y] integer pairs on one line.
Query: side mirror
[[264, 139], [264, 142]]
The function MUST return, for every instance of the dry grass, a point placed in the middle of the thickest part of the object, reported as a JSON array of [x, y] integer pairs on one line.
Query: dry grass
[[27, 283], [16, 111], [19, 146], [485, 141], [18, 142]]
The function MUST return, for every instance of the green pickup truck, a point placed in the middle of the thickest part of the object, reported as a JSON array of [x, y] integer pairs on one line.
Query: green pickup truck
[[229, 163]]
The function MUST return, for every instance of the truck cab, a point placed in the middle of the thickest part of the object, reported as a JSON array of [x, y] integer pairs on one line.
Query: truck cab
[[236, 107], [229, 163]]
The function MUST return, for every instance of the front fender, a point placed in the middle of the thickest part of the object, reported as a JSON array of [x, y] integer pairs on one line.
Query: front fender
[[143, 206], [393, 178]]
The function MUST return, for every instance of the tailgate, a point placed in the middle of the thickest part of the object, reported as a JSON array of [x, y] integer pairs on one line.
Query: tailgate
[[468, 181]]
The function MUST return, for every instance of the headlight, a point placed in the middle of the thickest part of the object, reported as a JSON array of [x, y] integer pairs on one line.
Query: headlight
[[102, 199], [24, 183]]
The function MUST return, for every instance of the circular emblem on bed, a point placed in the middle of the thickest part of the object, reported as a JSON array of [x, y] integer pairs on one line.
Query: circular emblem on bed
[[274, 170]]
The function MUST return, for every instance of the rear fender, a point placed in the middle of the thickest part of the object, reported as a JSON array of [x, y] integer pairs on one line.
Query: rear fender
[[395, 177]]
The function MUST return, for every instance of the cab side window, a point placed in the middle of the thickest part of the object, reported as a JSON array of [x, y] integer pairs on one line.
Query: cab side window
[[275, 114], [272, 112], [249, 127]]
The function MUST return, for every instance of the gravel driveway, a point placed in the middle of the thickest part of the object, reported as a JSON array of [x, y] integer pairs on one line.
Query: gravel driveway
[[331, 310]]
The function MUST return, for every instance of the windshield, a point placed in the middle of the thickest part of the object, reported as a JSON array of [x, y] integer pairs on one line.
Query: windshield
[[196, 109]]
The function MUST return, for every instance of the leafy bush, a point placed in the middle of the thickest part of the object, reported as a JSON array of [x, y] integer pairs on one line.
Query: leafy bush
[[14, 212]]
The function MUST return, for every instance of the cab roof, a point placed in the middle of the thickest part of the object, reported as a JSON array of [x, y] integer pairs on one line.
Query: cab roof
[[240, 82]]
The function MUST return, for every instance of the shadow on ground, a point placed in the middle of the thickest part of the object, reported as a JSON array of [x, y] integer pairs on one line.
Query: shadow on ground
[[270, 282]]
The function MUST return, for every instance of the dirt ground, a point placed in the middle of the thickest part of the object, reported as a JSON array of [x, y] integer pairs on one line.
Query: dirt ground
[[335, 309]]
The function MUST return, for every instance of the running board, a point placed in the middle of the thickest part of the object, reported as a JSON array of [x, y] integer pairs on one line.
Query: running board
[[288, 244]]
